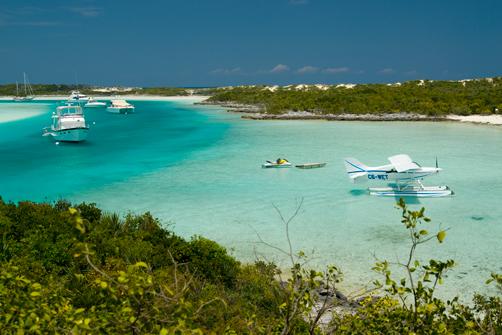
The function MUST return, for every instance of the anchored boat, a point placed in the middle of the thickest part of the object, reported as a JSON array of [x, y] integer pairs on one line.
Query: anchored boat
[[28, 91], [94, 103], [120, 107], [68, 124], [76, 96], [278, 163], [310, 165]]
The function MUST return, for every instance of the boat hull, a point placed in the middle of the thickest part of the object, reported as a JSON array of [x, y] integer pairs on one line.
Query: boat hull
[[310, 165], [21, 99], [69, 135], [120, 110], [95, 105], [276, 166], [78, 101], [412, 192]]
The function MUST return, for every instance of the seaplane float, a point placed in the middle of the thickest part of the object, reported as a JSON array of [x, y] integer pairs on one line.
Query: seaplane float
[[403, 176]]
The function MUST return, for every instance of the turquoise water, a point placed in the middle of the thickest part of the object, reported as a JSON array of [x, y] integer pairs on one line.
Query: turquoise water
[[199, 168]]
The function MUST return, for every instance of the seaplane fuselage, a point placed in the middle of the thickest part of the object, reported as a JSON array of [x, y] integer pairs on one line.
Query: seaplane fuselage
[[388, 173], [401, 170]]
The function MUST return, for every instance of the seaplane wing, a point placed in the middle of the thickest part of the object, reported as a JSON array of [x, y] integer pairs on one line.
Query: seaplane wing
[[403, 163]]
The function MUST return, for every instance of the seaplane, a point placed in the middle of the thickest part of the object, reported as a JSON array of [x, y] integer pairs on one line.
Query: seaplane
[[403, 176]]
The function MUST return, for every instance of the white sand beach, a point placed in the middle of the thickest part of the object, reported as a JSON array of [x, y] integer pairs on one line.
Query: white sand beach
[[19, 111], [188, 99], [489, 119]]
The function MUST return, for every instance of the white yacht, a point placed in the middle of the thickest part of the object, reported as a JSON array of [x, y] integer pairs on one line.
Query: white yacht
[[76, 96], [94, 103], [120, 107], [68, 124]]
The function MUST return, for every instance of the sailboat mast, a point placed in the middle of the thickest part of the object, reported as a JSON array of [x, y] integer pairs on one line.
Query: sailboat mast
[[24, 79], [17, 89]]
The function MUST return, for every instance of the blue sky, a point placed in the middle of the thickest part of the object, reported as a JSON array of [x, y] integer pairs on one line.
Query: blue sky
[[228, 42]]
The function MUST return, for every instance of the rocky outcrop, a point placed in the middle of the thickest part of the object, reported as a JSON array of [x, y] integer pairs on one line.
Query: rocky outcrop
[[344, 117], [256, 112]]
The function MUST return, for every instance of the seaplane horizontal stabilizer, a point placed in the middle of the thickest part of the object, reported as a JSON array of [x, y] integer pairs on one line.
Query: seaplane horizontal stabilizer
[[356, 170]]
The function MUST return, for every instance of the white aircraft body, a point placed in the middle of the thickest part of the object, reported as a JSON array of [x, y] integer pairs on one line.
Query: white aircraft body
[[402, 171]]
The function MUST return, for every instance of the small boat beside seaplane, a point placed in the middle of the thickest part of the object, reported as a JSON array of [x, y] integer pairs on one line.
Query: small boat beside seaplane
[[402, 174], [278, 163], [310, 165]]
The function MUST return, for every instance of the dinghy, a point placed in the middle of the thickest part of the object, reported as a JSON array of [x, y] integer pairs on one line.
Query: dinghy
[[310, 165]]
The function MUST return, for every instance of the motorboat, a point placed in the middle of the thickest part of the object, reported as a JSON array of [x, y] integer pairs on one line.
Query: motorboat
[[120, 107], [68, 124], [415, 191], [278, 163], [94, 103], [310, 165], [76, 96]]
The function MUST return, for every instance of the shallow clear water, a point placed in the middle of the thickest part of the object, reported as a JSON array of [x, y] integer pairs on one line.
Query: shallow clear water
[[199, 168]]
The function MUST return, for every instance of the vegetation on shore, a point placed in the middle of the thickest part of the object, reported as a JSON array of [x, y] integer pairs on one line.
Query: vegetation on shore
[[74, 269], [62, 89], [433, 98], [424, 97]]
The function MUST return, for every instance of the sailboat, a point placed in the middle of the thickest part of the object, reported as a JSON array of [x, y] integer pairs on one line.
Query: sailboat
[[28, 91]]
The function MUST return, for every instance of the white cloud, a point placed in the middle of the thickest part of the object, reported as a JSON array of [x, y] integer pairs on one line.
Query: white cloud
[[387, 70], [88, 11], [279, 68], [308, 69], [336, 70], [28, 16], [234, 70]]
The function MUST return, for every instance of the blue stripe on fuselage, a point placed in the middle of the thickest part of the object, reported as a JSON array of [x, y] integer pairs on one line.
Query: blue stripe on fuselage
[[370, 171]]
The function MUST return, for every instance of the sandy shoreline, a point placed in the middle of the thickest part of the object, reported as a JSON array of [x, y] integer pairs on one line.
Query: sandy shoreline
[[484, 119], [188, 99], [385, 117], [251, 112]]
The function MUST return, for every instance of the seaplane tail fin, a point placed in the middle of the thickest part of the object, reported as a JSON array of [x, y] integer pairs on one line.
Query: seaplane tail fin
[[355, 169]]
